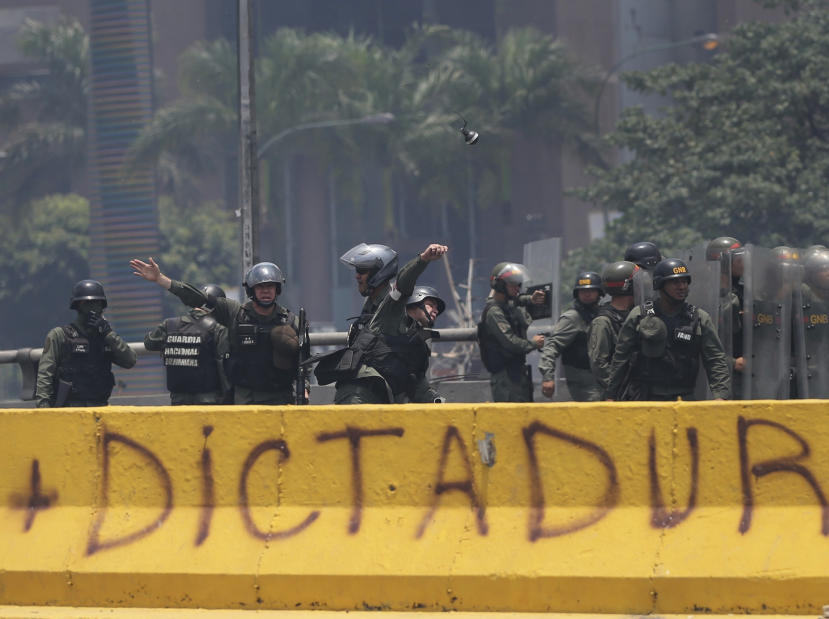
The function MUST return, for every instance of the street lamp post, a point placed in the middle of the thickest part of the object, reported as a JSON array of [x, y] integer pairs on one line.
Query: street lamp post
[[371, 119], [709, 41]]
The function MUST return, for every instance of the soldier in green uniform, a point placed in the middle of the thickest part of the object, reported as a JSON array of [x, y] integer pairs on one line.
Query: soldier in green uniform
[[422, 308], [661, 343], [617, 281], [568, 340], [264, 336], [75, 368], [502, 334], [372, 369], [194, 348], [813, 362]]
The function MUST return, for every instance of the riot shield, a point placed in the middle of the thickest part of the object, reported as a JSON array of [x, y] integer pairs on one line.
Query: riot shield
[[811, 342], [543, 261], [705, 292], [767, 324], [642, 286]]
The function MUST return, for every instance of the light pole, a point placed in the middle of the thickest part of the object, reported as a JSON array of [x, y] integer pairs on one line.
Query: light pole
[[371, 119], [709, 42]]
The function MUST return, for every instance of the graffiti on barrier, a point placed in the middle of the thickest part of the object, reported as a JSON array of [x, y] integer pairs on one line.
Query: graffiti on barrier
[[661, 517]]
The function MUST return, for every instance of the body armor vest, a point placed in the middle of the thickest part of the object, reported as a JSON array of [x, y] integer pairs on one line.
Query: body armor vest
[[575, 355], [190, 356], [492, 356], [679, 364], [251, 356], [399, 359], [87, 364]]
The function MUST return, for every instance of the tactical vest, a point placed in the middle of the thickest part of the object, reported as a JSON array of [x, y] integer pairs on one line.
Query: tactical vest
[[679, 365], [399, 359], [616, 318], [251, 356], [190, 356], [575, 355], [494, 358], [87, 365]]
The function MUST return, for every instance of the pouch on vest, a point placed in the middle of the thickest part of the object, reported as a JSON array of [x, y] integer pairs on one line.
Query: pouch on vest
[[341, 364]]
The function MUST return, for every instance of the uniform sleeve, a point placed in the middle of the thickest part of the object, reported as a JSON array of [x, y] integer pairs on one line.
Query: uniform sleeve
[[407, 276], [500, 329], [223, 310], [714, 359], [599, 345], [48, 367], [122, 354], [564, 332], [625, 347], [154, 339]]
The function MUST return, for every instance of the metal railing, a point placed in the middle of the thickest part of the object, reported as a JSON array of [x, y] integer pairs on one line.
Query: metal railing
[[28, 358]]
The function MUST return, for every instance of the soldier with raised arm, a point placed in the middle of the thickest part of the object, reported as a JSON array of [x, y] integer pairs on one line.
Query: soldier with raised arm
[[264, 340]]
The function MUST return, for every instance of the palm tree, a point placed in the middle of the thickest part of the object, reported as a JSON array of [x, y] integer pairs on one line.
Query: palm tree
[[45, 148]]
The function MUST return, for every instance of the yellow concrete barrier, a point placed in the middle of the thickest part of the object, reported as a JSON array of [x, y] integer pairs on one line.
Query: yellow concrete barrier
[[612, 508]]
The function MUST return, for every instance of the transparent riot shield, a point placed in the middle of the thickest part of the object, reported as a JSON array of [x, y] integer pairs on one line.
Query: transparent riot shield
[[767, 324], [811, 342], [543, 261], [705, 292], [642, 286]]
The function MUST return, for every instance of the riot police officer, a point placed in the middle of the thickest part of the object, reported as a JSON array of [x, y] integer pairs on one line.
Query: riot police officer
[[373, 368], [193, 349], [263, 335], [422, 307], [502, 333], [374, 267], [75, 368], [812, 343], [662, 342], [568, 340], [617, 282], [646, 256]]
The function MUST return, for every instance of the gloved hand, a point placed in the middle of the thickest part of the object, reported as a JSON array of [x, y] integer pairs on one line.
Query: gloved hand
[[97, 323]]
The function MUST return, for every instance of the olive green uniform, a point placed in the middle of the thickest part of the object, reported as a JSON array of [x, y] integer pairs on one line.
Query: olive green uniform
[[388, 317], [711, 352], [511, 384], [155, 340], [569, 328], [53, 357], [226, 312], [601, 343]]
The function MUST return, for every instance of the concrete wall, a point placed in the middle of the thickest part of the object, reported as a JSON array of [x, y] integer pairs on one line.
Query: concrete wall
[[622, 508]]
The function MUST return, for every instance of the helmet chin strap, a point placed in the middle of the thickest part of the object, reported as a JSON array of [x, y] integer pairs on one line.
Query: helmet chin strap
[[261, 304]]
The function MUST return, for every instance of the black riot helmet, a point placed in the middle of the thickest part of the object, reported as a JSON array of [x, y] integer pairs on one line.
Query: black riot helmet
[[421, 293], [721, 246], [617, 278], [87, 290], [263, 273], [645, 254], [213, 290], [587, 280], [670, 268], [380, 260], [505, 273]]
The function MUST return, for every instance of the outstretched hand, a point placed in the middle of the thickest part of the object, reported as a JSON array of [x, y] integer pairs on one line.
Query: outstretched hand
[[433, 252], [149, 271]]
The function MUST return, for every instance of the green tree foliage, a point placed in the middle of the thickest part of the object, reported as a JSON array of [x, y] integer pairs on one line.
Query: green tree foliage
[[199, 245], [743, 150], [42, 259], [47, 152]]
